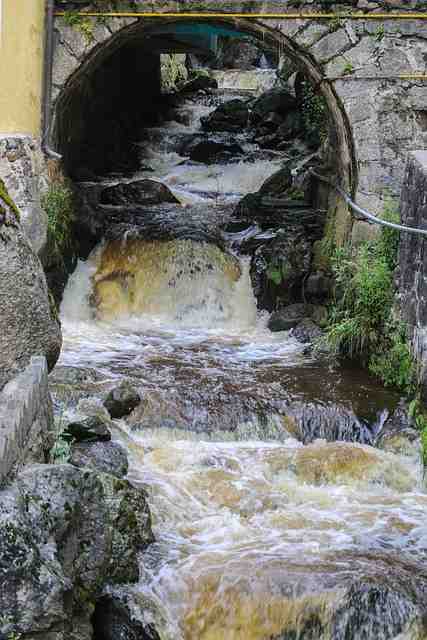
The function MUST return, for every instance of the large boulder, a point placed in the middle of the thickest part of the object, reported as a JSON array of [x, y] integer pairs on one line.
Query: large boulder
[[30, 325], [65, 534], [230, 116], [107, 457]]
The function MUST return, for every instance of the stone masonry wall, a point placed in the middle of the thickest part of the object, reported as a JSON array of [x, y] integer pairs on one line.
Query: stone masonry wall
[[413, 260], [26, 419]]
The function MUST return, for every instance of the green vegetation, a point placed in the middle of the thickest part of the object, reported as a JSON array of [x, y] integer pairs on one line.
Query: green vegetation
[[314, 113], [362, 325], [59, 207], [348, 68], [81, 23]]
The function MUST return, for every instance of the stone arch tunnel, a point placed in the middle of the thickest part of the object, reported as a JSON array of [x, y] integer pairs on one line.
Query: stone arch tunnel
[[116, 88], [367, 72]]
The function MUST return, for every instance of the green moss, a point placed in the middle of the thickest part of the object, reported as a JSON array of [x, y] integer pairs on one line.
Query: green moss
[[7, 200]]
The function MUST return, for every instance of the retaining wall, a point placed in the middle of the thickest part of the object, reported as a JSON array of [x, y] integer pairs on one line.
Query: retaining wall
[[26, 419]]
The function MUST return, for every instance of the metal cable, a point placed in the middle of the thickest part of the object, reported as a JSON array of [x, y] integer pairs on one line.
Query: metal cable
[[363, 212]]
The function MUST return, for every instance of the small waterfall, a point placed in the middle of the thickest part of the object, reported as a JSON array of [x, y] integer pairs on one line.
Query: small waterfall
[[179, 282]]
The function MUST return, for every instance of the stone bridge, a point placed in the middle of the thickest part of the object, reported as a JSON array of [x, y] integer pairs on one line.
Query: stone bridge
[[366, 67]]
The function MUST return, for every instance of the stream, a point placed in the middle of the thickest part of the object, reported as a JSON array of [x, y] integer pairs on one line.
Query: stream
[[274, 518]]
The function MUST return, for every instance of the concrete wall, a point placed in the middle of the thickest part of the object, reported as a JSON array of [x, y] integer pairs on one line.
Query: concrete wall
[[26, 419], [413, 260], [21, 63]]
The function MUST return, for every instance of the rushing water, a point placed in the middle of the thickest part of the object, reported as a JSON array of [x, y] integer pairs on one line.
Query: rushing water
[[259, 536]]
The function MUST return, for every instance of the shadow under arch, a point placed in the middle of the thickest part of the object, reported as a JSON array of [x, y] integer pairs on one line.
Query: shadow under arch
[[115, 90]]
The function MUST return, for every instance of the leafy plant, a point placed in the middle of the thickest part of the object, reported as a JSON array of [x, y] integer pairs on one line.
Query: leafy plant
[[58, 205], [361, 323]]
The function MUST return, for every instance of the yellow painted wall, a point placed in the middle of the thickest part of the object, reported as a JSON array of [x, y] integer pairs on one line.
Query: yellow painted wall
[[21, 64]]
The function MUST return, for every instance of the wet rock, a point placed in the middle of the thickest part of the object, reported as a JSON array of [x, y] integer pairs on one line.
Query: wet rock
[[278, 269], [211, 152], [400, 436], [318, 286], [277, 184], [306, 331], [115, 618], [289, 317], [141, 192], [277, 100], [122, 400], [91, 429], [230, 116], [30, 325], [202, 82], [373, 611], [106, 457], [290, 127], [65, 533]]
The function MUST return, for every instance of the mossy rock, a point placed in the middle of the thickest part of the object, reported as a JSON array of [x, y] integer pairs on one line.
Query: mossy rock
[[7, 200]]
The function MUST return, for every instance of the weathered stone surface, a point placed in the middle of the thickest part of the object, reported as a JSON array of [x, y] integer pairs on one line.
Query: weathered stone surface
[[65, 533], [106, 457], [26, 419], [122, 400], [24, 171], [412, 281], [30, 325]]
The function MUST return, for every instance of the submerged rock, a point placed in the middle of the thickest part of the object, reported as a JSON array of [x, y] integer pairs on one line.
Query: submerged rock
[[141, 192], [122, 400], [65, 533]]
